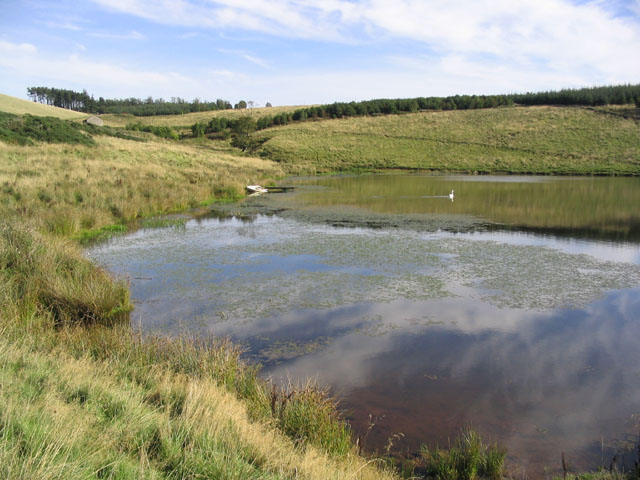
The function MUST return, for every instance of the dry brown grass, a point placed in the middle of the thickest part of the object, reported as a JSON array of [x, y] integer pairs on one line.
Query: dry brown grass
[[67, 189]]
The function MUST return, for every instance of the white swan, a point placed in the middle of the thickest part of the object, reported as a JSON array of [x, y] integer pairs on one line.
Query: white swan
[[451, 195]]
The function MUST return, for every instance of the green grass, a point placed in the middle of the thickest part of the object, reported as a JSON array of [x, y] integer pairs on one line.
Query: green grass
[[541, 140], [467, 459], [77, 190], [18, 106], [89, 236]]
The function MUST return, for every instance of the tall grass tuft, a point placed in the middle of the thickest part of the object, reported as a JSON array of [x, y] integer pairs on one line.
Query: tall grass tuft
[[54, 276], [307, 414], [467, 459]]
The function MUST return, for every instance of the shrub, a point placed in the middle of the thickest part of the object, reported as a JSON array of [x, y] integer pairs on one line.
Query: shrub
[[163, 132], [27, 128]]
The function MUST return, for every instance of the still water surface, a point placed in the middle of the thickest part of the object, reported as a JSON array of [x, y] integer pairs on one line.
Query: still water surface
[[514, 308]]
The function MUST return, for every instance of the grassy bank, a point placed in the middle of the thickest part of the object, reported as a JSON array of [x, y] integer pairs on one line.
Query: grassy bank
[[81, 191], [83, 396], [19, 106], [541, 140]]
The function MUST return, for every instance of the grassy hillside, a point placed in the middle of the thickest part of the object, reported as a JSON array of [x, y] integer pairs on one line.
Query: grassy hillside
[[77, 190], [189, 119], [563, 140], [20, 107]]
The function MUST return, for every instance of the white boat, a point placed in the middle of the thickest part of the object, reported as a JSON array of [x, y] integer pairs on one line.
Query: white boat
[[256, 189]]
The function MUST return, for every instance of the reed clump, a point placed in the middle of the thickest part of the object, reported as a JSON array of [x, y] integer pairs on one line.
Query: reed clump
[[54, 277], [306, 413], [467, 459]]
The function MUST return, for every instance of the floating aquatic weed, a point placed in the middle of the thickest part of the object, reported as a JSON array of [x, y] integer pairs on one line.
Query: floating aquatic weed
[[274, 266], [536, 277], [163, 222], [286, 350]]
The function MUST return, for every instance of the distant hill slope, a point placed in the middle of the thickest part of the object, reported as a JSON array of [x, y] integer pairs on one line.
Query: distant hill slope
[[20, 107], [541, 140], [188, 119]]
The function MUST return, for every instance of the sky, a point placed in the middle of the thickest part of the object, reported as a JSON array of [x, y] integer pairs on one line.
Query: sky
[[296, 52]]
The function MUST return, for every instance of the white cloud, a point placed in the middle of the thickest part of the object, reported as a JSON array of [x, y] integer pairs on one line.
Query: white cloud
[[188, 35], [10, 50], [256, 60], [25, 62], [588, 42], [551, 35], [65, 26], [247, 56], [132, 35], [277, 17]]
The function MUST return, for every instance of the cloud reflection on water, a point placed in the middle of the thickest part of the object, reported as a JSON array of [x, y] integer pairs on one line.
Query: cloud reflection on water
[[541, 383], [538, 381]]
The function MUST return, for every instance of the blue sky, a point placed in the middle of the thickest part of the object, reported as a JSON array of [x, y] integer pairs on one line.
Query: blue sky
[[318, 51]]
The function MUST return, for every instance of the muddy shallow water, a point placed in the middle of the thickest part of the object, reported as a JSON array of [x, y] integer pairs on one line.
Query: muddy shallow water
[[514, 308]]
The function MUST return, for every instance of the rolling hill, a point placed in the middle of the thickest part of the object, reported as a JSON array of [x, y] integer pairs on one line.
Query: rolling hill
[[20, 107]]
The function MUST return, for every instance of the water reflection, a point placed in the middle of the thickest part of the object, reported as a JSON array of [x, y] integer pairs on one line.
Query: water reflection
[[541, 383], [590, 207], [528, 333]]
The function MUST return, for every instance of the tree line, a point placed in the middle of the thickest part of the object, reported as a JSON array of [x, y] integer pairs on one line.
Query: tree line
[[591, 97], [611, 95], [385, 106], [59, 97], [353, 109], [83, 102]]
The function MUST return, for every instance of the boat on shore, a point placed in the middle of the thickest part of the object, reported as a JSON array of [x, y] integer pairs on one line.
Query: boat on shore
[[256, 189]]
